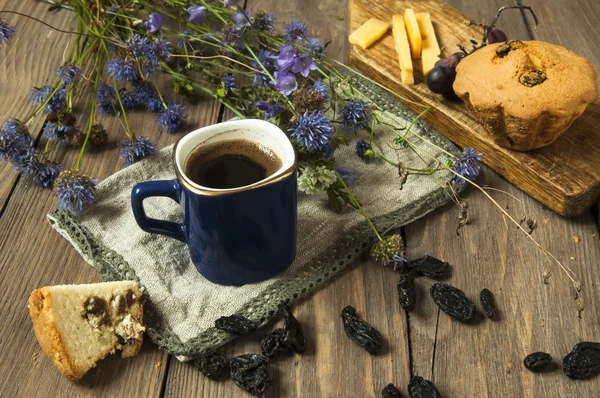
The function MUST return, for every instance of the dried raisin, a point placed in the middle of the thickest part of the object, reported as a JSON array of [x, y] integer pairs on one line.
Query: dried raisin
[[430, 267], [583, 362], [272, 345], [407, 295], [487, 303], [211, 364], [361, 332], [421, 388], [537, 362], [251, 373], [452, 301], [236, 324], [294, 337], [390, 391]]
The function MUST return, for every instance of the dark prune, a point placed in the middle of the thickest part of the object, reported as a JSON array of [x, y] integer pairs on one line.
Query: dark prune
[[537, 362], [294, 337], [583, 362], [211, 364], [487, 303], [430, 267], [250, 372], [361, 332], [236, 324], [390, 391], [495, 35], [421, 388], [452, 301], [272, 345], [407, 295]]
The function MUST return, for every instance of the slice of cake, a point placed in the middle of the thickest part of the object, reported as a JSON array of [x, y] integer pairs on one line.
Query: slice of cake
[[77, 325]]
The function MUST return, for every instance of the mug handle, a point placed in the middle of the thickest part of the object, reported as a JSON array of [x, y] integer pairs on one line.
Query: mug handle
[[166, 188]]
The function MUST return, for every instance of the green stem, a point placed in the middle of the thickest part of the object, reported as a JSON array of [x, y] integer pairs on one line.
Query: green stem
[[127, 128]]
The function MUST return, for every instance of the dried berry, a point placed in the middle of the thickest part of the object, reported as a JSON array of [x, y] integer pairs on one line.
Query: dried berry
[[537, 362], [487, 303], [361, 332], [236, 324], [251, 373], [211, 364], [390, 391], [421, 388], [532, 78], [271, 345], [294, 337], [452, 301], [430, 267], [407, 295], [495, 35], [98, 136], [583, 362], [503, 49]]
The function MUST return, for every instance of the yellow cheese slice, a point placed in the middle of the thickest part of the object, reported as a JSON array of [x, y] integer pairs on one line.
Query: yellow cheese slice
[[413, 32], [369, 33], [430, 49], [403, 50]]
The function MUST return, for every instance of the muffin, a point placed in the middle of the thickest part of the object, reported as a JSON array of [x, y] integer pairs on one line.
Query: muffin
[[526, 94]]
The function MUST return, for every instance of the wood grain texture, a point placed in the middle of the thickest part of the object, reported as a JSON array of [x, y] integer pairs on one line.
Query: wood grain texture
[[561, 176]]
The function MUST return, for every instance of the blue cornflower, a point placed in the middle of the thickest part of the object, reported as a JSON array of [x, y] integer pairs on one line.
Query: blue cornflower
[[172, 117], [154, 22], [27, 160], [6, 32], [58, 131], [266, 59], [229, 81], [295, 30], [270, 111], [128, 98], [74, 191], [303, 65], [231, 35], [356, 115], [123, 69], [68, 73], [315, 45], [105, 107], [135, 150], [363, 149], [399, 261], [105, 92], [147, 96], [348, 174], [264, 22], [313, 131], [139, 47], [197, 14], [45, 175], [162, 48], [58, 100], [242, 18], [321, 89], [467, 166], [14, 138]]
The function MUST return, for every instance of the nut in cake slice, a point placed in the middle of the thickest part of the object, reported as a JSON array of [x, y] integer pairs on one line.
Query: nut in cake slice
[[77, 325]]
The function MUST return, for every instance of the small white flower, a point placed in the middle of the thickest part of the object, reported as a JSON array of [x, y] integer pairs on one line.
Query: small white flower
[[313, 180]]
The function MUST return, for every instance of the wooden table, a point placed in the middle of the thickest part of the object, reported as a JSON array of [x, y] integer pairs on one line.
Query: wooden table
[[482, 360]]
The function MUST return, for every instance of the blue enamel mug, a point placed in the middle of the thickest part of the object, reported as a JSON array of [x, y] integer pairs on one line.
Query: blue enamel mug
[[239, 235]]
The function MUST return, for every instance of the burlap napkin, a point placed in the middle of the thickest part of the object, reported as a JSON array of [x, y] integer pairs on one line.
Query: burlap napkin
[[182, 306]]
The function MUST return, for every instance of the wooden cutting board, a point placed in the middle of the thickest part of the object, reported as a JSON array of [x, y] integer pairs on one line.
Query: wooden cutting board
[[564, 176]]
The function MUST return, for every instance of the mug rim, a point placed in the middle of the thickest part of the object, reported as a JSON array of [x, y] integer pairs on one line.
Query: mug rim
[[283, 172]]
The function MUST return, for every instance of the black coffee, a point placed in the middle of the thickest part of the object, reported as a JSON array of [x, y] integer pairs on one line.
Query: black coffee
[[230, 164]]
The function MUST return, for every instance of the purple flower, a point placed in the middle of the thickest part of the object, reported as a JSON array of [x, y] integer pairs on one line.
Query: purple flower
[[6, 32], [105, 92], [45, 175], [264, 22], [58, 131], [14, 138], [27, 160], [123, 69], [399, 261], [321, 89], [303, 65], [468, 166], [269, 111], [139, 47], [162, 48], [229, 81], [286, 82], [40, 95], [135, 150], [154, 22], [285, 60], [361, 148], [172, 117], [242, 18], [295, 30], [231, 3], [315, 45], [267, 60], [348, 174], [231, 35], [74, 191], [197, 14], [68, 73], [313, 131], [128, 98], [357, 115], [147, 96]]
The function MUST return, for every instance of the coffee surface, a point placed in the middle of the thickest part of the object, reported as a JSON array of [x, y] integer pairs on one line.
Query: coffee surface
[[230, 163]]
